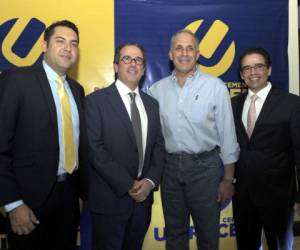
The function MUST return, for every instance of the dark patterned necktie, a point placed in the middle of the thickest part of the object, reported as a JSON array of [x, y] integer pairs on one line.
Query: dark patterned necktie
[[137, 127]]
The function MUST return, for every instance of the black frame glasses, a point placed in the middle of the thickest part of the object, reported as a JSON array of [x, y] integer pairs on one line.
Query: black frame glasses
[[128, 60], [259, 67]]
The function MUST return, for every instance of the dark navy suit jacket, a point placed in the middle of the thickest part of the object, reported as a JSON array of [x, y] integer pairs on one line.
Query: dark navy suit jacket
[[114, 154], [268, 161], [29, 147]]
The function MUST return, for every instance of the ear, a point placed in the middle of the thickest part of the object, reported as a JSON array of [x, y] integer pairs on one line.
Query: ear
[[143, 70], [44, 46], [198, 54], [170, 55], [269, 70], [116, 68], [241, 74]]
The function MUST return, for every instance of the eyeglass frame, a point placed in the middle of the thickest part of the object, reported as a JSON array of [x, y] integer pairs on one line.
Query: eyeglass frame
[[135, 59], [259, 67]]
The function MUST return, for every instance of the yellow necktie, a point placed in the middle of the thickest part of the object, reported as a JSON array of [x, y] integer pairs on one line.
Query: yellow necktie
[[67, 127]]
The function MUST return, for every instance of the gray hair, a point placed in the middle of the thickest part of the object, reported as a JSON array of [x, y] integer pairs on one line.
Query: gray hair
[[184, 31]]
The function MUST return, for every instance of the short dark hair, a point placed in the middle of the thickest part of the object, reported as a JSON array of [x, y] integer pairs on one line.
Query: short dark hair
[[65, 23], [260, 51], [120, 47]]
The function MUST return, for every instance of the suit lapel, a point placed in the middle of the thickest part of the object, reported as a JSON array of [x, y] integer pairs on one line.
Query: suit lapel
[[78, 99], [240, 107], [149, 114], [76, 95], [269, 104], [119, 108], [44, 84]]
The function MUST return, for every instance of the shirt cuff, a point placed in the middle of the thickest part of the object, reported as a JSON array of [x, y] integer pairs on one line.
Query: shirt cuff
[[153, 184], [11, 206]]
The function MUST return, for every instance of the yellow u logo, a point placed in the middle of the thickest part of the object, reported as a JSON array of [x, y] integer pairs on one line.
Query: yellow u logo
[[11, 39], [210, 43]]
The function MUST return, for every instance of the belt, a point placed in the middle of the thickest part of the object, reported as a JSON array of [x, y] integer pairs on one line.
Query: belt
[[184, 155], [62, 177]]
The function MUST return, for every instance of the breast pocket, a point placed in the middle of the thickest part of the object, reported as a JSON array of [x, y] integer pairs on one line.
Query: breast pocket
[[200, 111]]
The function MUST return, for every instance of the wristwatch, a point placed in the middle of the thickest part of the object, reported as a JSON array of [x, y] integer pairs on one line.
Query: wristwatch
[[232, 180]]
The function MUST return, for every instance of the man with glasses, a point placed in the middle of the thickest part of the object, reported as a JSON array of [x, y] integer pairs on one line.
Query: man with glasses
[[127, 155], [267, 122]]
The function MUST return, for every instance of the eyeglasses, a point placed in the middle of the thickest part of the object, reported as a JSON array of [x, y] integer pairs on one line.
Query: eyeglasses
[[128, 59], [257, 67]]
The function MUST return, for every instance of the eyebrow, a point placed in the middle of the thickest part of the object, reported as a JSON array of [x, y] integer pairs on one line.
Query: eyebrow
[[61, 37]]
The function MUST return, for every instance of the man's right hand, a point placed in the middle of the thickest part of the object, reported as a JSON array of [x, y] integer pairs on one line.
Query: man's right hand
[[22, 220]]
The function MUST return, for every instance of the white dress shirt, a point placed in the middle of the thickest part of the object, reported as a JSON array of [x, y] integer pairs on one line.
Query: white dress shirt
[[262, 95], [124, 93]]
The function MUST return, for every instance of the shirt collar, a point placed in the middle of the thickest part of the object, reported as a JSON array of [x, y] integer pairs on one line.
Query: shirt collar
[[262, 94], [51, 74], [124, 90], [191, 76]]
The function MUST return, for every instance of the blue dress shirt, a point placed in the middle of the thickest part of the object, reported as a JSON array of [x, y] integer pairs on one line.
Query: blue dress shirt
[[196, 117]]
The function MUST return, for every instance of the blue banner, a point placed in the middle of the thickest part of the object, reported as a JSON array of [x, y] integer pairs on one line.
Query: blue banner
[[224, 28]]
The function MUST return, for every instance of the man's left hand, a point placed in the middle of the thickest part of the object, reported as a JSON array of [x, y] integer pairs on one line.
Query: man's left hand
[[141, 189], [225, 191]]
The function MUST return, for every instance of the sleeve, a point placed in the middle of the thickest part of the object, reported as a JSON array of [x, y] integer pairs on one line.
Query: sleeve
[[11, 206], [229, 148], [295, 136], [9, 115]]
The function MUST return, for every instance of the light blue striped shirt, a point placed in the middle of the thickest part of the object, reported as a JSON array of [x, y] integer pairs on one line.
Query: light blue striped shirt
[[196, 117], [52, 76]]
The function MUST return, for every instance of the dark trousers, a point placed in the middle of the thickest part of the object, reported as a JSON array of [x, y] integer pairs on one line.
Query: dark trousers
[[189, 188], [250, 219], [59, 220], [121, 231]]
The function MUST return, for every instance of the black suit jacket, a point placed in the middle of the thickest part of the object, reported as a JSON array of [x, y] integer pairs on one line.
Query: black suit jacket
[[29, 147], [114, 153], [266, 167]]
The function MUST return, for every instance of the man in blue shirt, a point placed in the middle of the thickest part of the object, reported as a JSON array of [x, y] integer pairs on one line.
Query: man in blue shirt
[[41, 113], [198, 128]]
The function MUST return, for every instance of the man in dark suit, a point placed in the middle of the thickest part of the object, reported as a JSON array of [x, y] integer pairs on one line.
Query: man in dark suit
[[267, 123], [39, 174], [126, 158]]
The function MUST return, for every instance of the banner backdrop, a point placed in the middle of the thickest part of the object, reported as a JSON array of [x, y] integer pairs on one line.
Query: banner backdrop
[[223, 27]]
